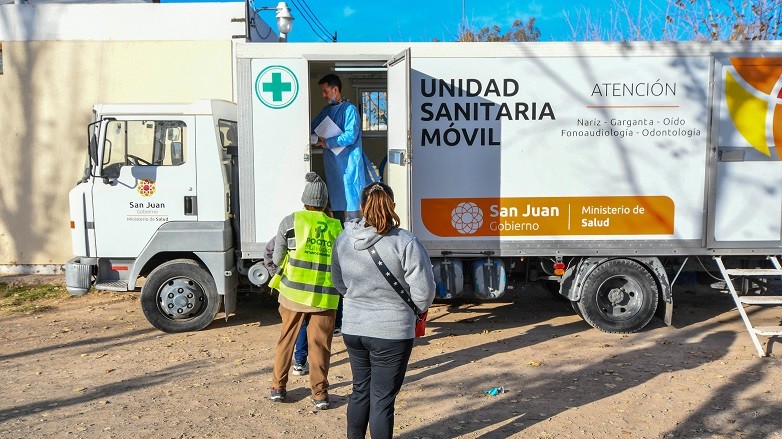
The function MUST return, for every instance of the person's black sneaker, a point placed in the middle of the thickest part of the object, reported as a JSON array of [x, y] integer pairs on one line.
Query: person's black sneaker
[[321, 404], [278, 394]]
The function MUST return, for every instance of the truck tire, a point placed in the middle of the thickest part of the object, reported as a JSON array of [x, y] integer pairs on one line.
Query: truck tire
[[575, 307], [180, 296], [619, 296]]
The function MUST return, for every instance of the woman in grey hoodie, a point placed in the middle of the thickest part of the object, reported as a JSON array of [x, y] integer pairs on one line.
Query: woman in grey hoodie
[[377, 325]]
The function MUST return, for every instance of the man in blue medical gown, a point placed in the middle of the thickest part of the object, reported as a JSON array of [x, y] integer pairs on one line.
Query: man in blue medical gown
[[343, 158]]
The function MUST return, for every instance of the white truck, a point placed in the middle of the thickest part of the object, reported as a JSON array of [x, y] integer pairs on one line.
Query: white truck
[[596, 168]]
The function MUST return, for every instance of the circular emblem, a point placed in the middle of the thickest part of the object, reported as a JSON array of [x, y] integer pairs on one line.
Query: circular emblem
[[467, 218], [276, 87], [146, 188]]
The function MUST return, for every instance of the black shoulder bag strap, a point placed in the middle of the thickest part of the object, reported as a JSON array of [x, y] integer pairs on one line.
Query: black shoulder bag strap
[[392, 280]]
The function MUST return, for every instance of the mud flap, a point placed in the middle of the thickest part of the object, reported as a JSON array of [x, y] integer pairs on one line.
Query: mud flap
[[223, 270], [229, 292], [665, 298], [665, 310], [229, 302]]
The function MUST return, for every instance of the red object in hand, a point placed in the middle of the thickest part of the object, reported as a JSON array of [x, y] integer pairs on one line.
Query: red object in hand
[[420, 324]]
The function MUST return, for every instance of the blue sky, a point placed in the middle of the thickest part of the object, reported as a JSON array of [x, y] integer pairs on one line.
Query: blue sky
[[424, 20]]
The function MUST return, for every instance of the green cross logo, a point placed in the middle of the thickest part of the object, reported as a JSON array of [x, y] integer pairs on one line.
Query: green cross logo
[[276, 87]]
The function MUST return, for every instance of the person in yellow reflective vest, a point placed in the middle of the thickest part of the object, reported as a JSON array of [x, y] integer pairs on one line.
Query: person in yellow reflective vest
[[302, 251]]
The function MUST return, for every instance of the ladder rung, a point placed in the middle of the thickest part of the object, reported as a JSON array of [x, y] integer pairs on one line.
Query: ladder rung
[[754, 272], [761, 300], [767, 330]]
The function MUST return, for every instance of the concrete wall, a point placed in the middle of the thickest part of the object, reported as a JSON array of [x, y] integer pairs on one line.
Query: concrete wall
[[55, 67]]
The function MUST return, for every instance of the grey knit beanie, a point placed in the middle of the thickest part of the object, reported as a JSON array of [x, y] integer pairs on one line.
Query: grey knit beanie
[[315, 192]]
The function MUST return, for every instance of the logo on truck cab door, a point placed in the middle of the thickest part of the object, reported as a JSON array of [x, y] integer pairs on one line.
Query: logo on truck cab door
[[276, 87], [146, 187]]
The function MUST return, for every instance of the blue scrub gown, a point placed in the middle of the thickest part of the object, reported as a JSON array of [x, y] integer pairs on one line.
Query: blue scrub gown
[[346, 172]]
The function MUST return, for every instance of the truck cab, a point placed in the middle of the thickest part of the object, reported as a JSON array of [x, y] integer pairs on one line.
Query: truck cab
[[152, 205]]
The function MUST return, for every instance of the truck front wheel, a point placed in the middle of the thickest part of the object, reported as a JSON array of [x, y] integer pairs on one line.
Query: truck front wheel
[[619, 296], [180, 296]]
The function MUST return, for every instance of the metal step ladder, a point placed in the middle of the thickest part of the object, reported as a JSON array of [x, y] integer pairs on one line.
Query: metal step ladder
[[742, 301]]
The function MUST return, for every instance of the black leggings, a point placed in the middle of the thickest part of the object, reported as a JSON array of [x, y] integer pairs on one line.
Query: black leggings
[[378, 367]]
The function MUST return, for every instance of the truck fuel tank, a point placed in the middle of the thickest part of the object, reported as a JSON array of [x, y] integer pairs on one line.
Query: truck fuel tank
[[448, 278], [489, 278]]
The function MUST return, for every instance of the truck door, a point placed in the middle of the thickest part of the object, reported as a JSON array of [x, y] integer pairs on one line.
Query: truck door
[[147, 177], [399, 142], [274, 113], [746, 200]]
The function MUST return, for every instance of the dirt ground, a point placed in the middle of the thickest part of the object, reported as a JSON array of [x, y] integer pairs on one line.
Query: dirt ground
[[92, 367]]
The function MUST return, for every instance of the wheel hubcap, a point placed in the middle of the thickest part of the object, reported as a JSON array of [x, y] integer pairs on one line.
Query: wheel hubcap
[[620, 297], [181, 298]]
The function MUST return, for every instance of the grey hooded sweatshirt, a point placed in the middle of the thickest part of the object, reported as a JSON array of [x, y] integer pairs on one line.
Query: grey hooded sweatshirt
[[371, 307]]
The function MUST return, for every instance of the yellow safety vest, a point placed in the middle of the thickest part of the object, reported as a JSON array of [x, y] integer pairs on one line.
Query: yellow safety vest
[[305, 274]]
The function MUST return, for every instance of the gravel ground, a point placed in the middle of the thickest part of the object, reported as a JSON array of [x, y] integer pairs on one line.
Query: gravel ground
[[92, 367]]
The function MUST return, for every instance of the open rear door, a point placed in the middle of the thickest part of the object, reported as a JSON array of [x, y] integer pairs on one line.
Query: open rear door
[[399, 145], [746, 202]]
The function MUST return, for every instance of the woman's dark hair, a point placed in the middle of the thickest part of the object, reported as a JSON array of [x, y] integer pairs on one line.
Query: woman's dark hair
[[377, 206]]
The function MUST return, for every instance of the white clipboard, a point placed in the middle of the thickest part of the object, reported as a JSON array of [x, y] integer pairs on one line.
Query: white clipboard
[[328, 129]]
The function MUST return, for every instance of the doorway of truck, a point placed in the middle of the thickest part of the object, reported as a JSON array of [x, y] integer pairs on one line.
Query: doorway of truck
[[380, 89], [365, 84]]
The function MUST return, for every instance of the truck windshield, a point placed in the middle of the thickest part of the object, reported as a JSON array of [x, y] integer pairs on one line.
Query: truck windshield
[[143, 143]]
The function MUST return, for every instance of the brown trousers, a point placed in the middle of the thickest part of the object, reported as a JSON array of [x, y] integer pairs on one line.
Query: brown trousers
[[320, 330]]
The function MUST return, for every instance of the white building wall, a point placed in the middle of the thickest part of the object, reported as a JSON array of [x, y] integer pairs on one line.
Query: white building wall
[[118, 22]]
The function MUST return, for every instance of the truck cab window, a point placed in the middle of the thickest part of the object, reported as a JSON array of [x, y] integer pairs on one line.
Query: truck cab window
[[143, 143], [229, 136]]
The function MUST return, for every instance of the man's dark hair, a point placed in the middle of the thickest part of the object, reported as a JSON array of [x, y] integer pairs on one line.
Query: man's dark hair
[[331, 80]]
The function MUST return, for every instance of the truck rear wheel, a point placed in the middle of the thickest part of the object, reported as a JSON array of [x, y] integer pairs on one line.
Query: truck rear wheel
[[180, 296], [619, 296], [575, 307]]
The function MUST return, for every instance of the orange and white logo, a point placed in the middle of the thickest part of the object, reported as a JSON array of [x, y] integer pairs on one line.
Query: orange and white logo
[[549, 216], [146, 188], [753, 94]]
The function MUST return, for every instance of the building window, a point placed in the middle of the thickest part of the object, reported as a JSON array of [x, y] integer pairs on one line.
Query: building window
[[374, 111], [1, 58]]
